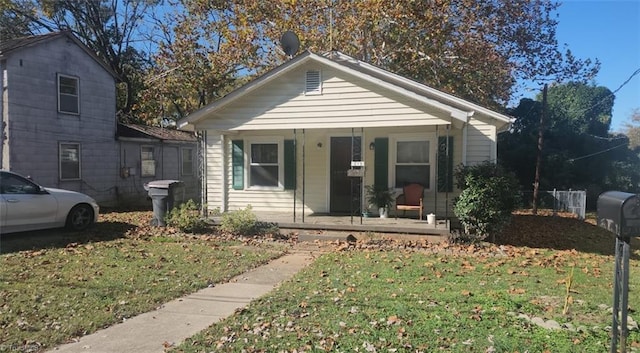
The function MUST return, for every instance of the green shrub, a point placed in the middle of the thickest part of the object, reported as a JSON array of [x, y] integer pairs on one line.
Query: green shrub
[[489, 196], [245, 223], [186, 217]]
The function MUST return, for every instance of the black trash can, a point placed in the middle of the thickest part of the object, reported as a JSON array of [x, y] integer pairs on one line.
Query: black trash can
[[164, 196]]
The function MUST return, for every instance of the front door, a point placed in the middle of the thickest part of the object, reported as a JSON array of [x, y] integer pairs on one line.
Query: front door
[[345, 191]]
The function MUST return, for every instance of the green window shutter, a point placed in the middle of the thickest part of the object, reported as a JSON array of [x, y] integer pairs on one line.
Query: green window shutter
[[289, 164], [237, 161], [381, 162], [445, 164]]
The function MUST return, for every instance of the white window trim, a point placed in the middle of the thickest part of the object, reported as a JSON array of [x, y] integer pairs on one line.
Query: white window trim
[[77, 79], [60, 161], [182, 170], [315, 92], [248, 141], [153, 151], [393, 155]]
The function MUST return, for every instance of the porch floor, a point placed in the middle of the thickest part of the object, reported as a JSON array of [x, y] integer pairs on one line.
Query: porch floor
[[400, 225]]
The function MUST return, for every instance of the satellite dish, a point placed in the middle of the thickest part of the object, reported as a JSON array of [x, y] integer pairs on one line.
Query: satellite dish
[[290, 43]]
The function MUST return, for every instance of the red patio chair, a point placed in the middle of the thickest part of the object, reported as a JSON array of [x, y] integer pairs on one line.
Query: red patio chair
[[411, 199]]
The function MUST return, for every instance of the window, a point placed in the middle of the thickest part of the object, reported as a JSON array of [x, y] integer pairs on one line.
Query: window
[[68, 94], [187, 161], [313, 84], [148, 163], [412, 163], [69, 161], [264, 166]]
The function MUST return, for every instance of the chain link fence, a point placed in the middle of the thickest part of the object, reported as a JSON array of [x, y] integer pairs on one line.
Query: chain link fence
[[573, 201]]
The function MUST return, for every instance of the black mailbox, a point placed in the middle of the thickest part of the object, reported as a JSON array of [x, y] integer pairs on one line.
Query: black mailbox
[[619, 212]]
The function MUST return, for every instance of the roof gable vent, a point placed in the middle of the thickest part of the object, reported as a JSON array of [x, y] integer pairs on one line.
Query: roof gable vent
[[313, 84]]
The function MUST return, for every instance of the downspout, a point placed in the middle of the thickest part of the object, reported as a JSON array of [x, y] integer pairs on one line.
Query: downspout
[[465, 129], [202, 152], [4, 120]]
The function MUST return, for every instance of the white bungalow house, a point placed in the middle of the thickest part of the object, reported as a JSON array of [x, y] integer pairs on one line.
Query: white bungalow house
[[305, 138]]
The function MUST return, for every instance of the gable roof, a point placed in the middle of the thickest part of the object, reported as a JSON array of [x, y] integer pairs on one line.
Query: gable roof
[[458, 108], [17, 44], [154, 132]]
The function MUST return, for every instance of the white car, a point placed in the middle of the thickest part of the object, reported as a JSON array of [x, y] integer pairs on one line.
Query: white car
[[25, 206]]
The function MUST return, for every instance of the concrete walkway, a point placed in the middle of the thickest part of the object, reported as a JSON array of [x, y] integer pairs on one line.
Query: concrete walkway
[[182, 318]]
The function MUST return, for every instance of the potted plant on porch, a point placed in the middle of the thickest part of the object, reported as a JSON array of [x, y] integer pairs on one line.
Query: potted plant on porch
[[380, 197]]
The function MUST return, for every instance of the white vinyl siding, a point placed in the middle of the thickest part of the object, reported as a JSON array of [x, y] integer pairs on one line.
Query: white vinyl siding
[[345, 102], [69, 161], [481, 141], [215, 169], [68, 94]]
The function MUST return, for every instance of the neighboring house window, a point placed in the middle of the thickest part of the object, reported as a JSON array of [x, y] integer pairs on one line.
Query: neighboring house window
[[265, 165], [68, 94], [313, 83], [69, 160], [187, 161], [412, 163], [148, 162]]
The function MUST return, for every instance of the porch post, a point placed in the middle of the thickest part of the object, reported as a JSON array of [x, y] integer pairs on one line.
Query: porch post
[[226, 153], [304, 168], [435, 187], [363, 149], [295, 188], [446, 176]]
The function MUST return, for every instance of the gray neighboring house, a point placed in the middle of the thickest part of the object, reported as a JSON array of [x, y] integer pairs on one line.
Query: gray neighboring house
[[58, 114], [59, 125], [153, 153]]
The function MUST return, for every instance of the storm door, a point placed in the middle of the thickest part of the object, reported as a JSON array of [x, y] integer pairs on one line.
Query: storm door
[[345, 191]]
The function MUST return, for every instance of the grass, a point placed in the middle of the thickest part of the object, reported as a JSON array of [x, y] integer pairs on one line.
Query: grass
[[377, 295], [442, 298], [56, 286]]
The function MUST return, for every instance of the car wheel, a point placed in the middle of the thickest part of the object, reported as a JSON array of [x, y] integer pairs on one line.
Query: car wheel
[[80, 217]]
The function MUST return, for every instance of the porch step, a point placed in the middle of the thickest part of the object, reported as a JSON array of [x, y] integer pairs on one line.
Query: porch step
[[310, 236], [417, 229]]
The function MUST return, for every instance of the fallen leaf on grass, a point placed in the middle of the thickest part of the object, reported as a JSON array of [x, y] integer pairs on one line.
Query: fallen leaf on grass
[[392, 320]]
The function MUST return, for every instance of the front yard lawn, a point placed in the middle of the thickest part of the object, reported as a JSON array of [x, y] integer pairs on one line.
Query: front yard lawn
[[442, 298], [120, 268]]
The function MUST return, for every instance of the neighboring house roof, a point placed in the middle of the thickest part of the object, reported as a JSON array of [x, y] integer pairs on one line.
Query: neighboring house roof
[[458, 108], [17, 44], [154, 132]]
